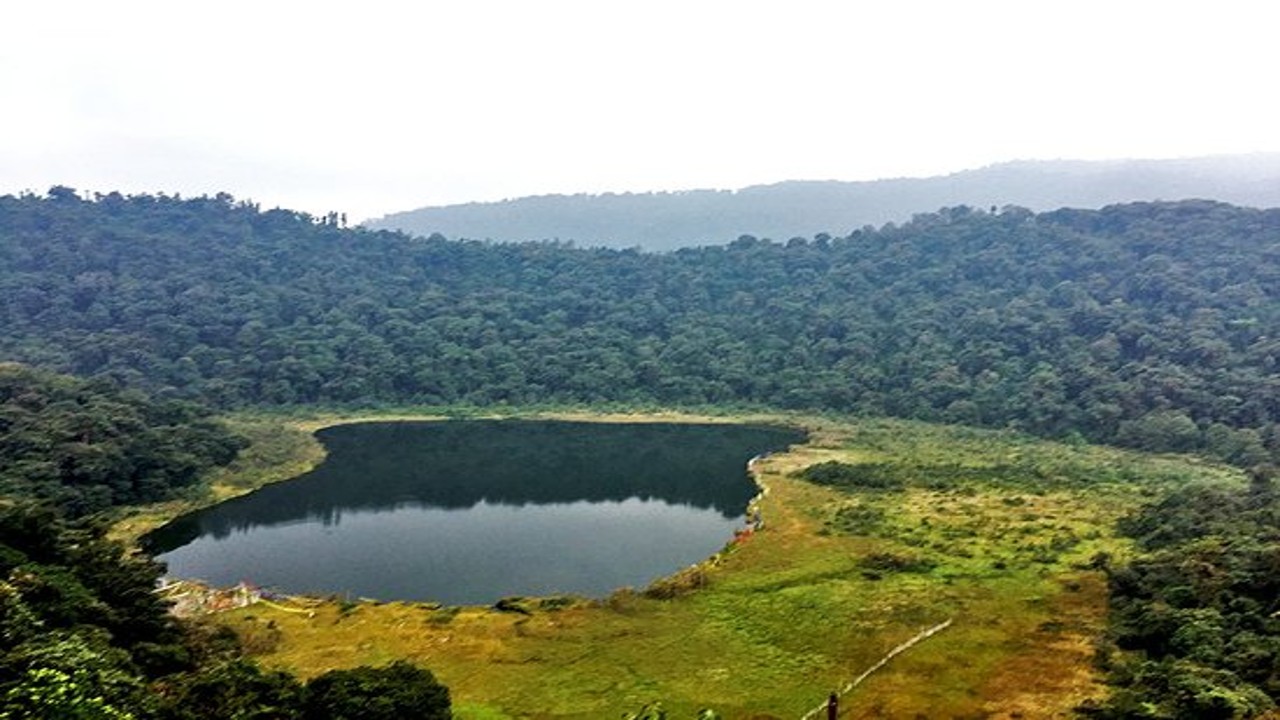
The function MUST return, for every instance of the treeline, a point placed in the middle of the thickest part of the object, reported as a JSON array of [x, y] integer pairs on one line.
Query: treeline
[[85, 446], [83, 633], [1198, 611], [85, 636], [669, 220], [1152, 325]]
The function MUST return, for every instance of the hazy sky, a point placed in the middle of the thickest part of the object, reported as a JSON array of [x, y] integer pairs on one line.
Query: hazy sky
[[371, 107]]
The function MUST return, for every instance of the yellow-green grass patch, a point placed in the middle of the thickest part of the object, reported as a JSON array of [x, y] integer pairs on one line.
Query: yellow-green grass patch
[[802, 607]]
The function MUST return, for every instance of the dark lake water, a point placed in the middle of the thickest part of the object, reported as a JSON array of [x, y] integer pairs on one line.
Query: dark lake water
[[468, 512]]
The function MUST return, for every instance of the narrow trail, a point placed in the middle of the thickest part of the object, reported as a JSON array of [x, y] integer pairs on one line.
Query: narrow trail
[[922, 635]]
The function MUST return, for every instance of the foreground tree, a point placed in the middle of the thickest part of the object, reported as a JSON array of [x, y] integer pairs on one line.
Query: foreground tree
[[83, 636]]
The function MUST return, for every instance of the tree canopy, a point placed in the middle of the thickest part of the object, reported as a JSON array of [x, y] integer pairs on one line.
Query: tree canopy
[[86, 446], [84, 636], [1153, 325], [1196, 611]]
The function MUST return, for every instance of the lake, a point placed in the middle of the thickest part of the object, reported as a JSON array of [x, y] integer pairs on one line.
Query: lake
[[468, 512]]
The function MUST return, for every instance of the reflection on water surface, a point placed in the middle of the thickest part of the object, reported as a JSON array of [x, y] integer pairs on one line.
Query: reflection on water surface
[[468, 512]]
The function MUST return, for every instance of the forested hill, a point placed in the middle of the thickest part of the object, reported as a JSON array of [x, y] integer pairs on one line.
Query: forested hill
[[82, 447], [662, 221], [1155, 325]]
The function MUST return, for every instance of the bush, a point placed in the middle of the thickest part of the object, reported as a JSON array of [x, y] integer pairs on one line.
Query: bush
[[399, 691], [890, 562], [858, 519], [237, 689], [869, 476]]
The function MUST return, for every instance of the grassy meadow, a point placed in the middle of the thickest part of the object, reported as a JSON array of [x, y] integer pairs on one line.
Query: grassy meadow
[[995, 531]]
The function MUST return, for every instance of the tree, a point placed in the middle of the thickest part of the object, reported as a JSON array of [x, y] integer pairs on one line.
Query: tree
[[71, 676], [1161, 431], [236, 690]]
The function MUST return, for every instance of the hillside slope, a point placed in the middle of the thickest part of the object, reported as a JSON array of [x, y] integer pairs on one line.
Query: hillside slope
[[1155, 325], [662, 221]]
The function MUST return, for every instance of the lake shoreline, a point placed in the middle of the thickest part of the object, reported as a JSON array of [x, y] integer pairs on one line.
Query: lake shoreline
[[152, 517], [777, 621]]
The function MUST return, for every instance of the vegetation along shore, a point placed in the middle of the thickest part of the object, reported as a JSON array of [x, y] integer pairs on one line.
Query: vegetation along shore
[[1056, 431]]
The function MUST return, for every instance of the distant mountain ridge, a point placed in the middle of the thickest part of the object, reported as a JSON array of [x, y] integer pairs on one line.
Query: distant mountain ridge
[[804, 208]]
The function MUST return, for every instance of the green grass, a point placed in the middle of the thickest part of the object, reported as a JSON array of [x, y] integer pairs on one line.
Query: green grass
[[473, 711], [992, 529]]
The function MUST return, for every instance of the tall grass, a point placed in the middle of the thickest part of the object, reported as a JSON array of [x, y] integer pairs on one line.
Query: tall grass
[[993, 529]]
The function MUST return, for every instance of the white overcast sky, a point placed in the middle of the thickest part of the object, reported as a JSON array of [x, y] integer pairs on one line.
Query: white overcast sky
[[371, 107]]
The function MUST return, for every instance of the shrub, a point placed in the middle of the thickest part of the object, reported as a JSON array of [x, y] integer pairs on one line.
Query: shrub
[[681, 583], [858, 519], [399, 691], [867, 476], [890, 562]]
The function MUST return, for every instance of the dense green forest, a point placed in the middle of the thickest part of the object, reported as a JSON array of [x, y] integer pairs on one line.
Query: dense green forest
[[84, 633], [1197, 610], [85, 636], [1151, 325], [85, 446], [669, 220]]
